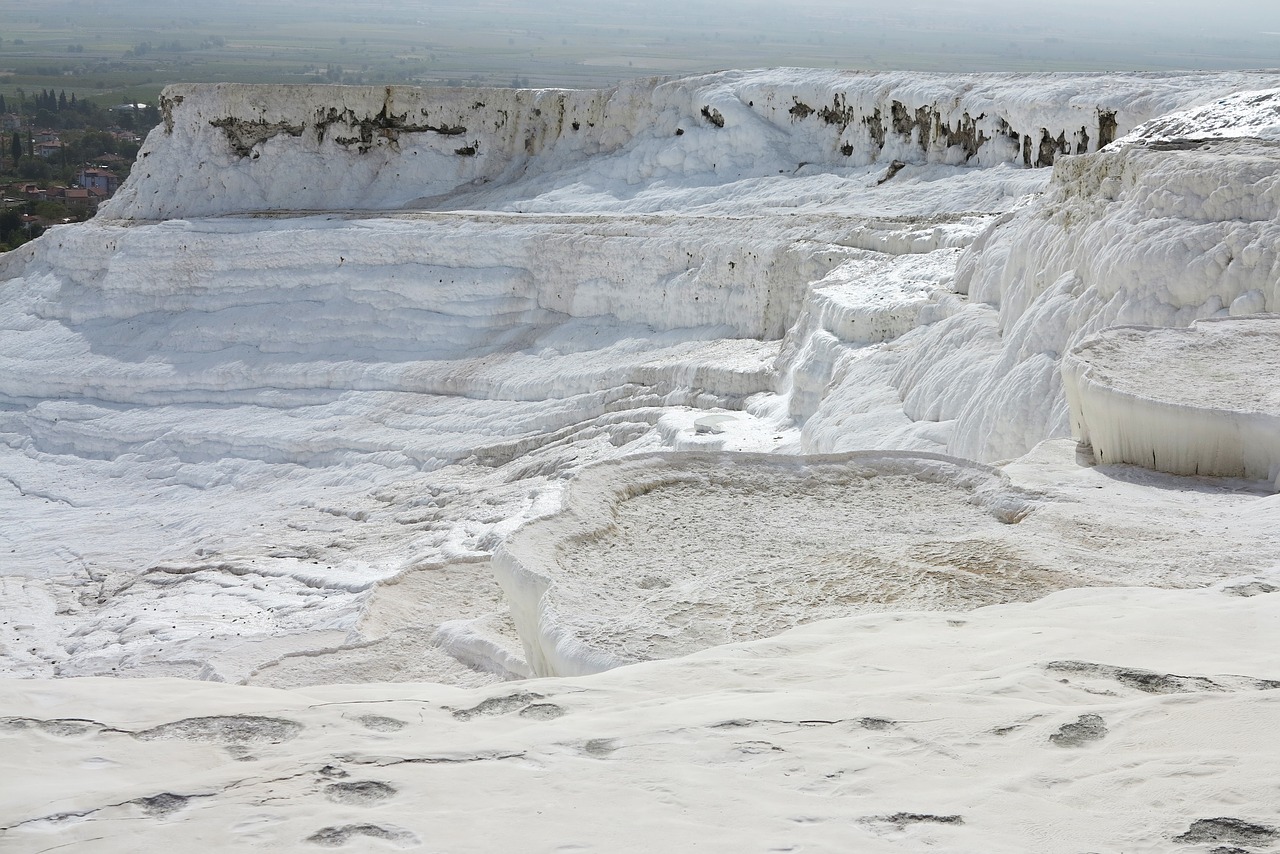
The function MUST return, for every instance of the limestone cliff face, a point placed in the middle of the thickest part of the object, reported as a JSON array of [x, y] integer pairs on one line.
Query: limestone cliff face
[[234, 148]]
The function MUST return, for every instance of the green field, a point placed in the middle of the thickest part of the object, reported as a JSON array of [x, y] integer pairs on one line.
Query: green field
[[115, 51]]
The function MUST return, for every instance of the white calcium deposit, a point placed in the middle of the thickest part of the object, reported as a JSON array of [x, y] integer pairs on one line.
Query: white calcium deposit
[[1130, 387], [365, 427]]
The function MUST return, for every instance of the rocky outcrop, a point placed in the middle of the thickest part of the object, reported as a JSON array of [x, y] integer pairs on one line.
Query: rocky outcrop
[[233, 148]]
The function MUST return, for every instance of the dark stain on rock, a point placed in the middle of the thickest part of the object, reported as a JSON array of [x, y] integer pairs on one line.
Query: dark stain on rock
[[1151, 682], [384, 125], [1106, 127], [1251, 588], [800, 110], [498, 706], [162, 804], [226, 729], [1085, 729], [380, 723], [243, 134], [965, 134], [923, 122], [901, 820], [358, 792], [337, 836], [900, 118], [599, 748], [363, 131], [875, 127], [1049, 148], [894, 168], [58, 727], [1233, 831], [167, 103], [839, 114]]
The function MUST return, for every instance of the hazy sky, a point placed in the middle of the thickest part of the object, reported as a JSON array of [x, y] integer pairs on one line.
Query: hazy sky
[[581, 43]]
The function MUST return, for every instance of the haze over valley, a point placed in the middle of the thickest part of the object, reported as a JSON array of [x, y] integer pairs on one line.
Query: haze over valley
[[129, 49]]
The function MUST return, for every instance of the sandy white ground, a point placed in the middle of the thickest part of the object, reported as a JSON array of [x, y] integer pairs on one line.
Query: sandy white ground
[[271, 418], [1125, 719]]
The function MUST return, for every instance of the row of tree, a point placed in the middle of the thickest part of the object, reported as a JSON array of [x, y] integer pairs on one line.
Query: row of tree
[[58, 111], [47, 100]]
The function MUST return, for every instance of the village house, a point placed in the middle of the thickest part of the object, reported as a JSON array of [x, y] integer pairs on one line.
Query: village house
[[102, 180], [32, 192], [106, 160], [78, 200]]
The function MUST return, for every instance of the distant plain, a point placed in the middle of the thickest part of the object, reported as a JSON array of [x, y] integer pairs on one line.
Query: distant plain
[[116, 51]]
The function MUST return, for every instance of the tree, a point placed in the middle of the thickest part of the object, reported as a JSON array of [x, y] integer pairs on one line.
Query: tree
[[3, 108], [62, 100], [35, 169], [15, 148], [50, 210], [96, 142], [10, 223]]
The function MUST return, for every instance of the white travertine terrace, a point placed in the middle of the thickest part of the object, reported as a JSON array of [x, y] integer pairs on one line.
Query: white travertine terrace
[[436, 391], [1201, 400]]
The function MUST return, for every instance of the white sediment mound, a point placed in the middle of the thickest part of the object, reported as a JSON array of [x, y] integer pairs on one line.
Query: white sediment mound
[[358, 397], [336, 360], [1202, 400], [1162, 233], [1251, 115], [368, 393]]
